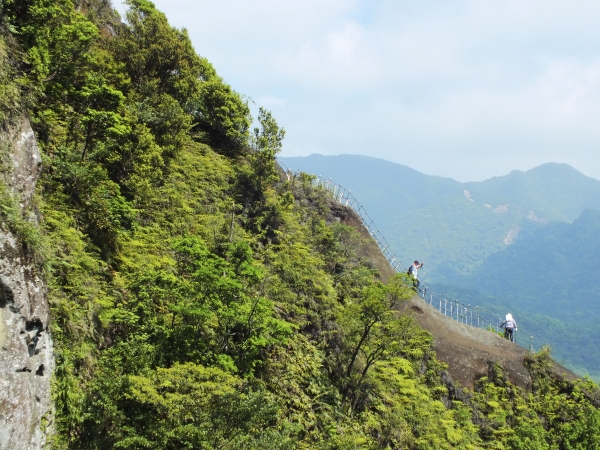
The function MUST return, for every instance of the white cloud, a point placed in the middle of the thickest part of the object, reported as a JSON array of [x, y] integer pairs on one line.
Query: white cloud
[[339, 60], [467, 89], [269, 101], [571, 85]]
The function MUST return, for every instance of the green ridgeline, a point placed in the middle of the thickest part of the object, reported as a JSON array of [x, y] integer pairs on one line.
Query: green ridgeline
[[199, 302], [455, 226]]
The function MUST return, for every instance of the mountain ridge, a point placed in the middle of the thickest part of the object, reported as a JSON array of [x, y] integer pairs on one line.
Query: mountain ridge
[[331, 166], [504, 205]]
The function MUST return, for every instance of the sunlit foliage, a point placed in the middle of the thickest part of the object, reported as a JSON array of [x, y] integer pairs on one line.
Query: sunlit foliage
[[199, 298]]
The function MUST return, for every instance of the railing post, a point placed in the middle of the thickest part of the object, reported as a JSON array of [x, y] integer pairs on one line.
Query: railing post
[[531, 344]]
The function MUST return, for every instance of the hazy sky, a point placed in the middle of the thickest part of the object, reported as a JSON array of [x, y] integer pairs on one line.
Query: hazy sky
[[465, 89]]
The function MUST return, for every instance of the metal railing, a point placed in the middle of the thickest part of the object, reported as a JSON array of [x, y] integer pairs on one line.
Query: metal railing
[[472, 315], [343, 196], [452, 308]]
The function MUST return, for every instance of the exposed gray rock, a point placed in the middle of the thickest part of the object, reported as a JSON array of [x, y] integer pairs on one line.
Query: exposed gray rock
[[22, 159], [26, 361]]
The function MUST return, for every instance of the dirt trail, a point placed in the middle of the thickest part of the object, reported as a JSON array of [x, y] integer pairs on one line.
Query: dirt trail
[[468, 351]]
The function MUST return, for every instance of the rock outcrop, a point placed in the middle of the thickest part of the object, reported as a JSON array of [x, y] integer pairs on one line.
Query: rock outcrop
[[26, 361]]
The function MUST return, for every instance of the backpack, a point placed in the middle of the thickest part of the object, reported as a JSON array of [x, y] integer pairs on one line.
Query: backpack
[[410, 270]]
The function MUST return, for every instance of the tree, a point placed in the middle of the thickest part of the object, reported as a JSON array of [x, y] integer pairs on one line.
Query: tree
[[266, 144], [191, 406], [373, 331], [222, 117]]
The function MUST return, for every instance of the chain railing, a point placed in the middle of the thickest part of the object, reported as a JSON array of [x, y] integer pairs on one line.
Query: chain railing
[[452, 308]]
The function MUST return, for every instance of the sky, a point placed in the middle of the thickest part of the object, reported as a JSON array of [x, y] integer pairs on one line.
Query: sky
[[464, 89]]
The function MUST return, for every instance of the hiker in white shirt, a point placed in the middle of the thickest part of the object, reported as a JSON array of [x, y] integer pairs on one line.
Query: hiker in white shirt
[[510, 326]]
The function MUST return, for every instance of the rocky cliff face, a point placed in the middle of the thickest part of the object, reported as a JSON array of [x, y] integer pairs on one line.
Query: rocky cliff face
[[26, 362]]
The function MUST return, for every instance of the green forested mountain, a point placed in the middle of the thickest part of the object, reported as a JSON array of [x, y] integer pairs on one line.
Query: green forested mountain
[[199, 301], [525, 255], [553, 268], [551, 277], [455, 226], [554, 192]]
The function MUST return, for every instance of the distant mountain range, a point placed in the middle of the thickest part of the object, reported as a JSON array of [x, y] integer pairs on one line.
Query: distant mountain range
[[528, 241], [455, 226]]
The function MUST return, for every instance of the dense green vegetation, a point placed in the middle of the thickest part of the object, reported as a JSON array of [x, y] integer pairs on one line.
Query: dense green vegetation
[[198, 301]]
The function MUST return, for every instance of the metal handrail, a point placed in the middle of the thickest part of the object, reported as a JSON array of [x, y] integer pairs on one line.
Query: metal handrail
[[472, 315]]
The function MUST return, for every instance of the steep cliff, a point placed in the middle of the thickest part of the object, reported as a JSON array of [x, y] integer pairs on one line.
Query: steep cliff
[[469, 352], [25, 345]]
